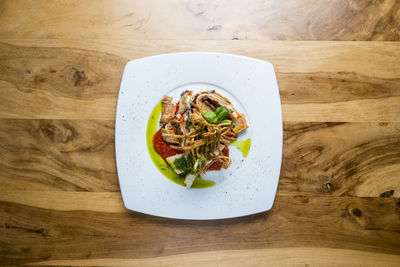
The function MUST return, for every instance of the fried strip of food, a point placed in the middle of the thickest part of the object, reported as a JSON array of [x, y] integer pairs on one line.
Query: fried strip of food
[[167, 110]]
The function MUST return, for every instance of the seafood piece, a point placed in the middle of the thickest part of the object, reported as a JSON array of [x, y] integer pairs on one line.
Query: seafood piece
[[184, 102], [240, 124], [208, 101], [168, 131], [202, 102], [167, 110]]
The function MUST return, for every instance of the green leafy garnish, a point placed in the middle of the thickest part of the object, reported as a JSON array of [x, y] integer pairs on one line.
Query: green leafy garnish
[[196, 165], [181, 164], [226, 121], [218, 110], [184, 164], [222, 115], [199, 163], [210, 116], [216, 117]]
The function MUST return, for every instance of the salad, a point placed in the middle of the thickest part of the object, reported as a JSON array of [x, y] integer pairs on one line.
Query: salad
[[195, 132]]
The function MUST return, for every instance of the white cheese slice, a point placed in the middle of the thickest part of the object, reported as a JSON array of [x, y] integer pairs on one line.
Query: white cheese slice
[[171, 160], [189, 179]]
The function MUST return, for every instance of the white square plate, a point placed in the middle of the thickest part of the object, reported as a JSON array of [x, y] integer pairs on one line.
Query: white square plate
[[249, 185]]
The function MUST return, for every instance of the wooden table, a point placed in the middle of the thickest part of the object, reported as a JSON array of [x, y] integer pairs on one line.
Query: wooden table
[[338, 69]]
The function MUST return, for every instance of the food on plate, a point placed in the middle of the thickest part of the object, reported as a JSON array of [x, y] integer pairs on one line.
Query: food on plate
[[195, 132]]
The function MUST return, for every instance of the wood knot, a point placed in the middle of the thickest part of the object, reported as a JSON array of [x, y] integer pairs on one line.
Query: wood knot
[[328, 187], [357, 212], [383, 124], [49, 131], [56, 134], [78, 77], [387, 193], [345, 213]]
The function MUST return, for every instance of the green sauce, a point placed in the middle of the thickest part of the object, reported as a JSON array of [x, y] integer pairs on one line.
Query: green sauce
[[242, 145], [158, 160]]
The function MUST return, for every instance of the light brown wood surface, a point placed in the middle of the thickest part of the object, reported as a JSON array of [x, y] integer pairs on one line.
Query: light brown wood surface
[[338, 201]]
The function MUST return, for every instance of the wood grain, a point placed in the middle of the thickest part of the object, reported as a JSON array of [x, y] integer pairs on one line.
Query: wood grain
[[31, 234], [248, 257], [342, 159], [197, 19], [338, 201], [49, 79], [109, 202], [58, 155], [318, 158]]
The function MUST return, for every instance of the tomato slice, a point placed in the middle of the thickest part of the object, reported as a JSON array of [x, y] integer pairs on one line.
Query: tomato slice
[[163, 148], [216, 166]]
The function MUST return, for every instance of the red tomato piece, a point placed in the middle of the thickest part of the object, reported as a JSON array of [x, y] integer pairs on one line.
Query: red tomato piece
[[216, 166], [163, 148]]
